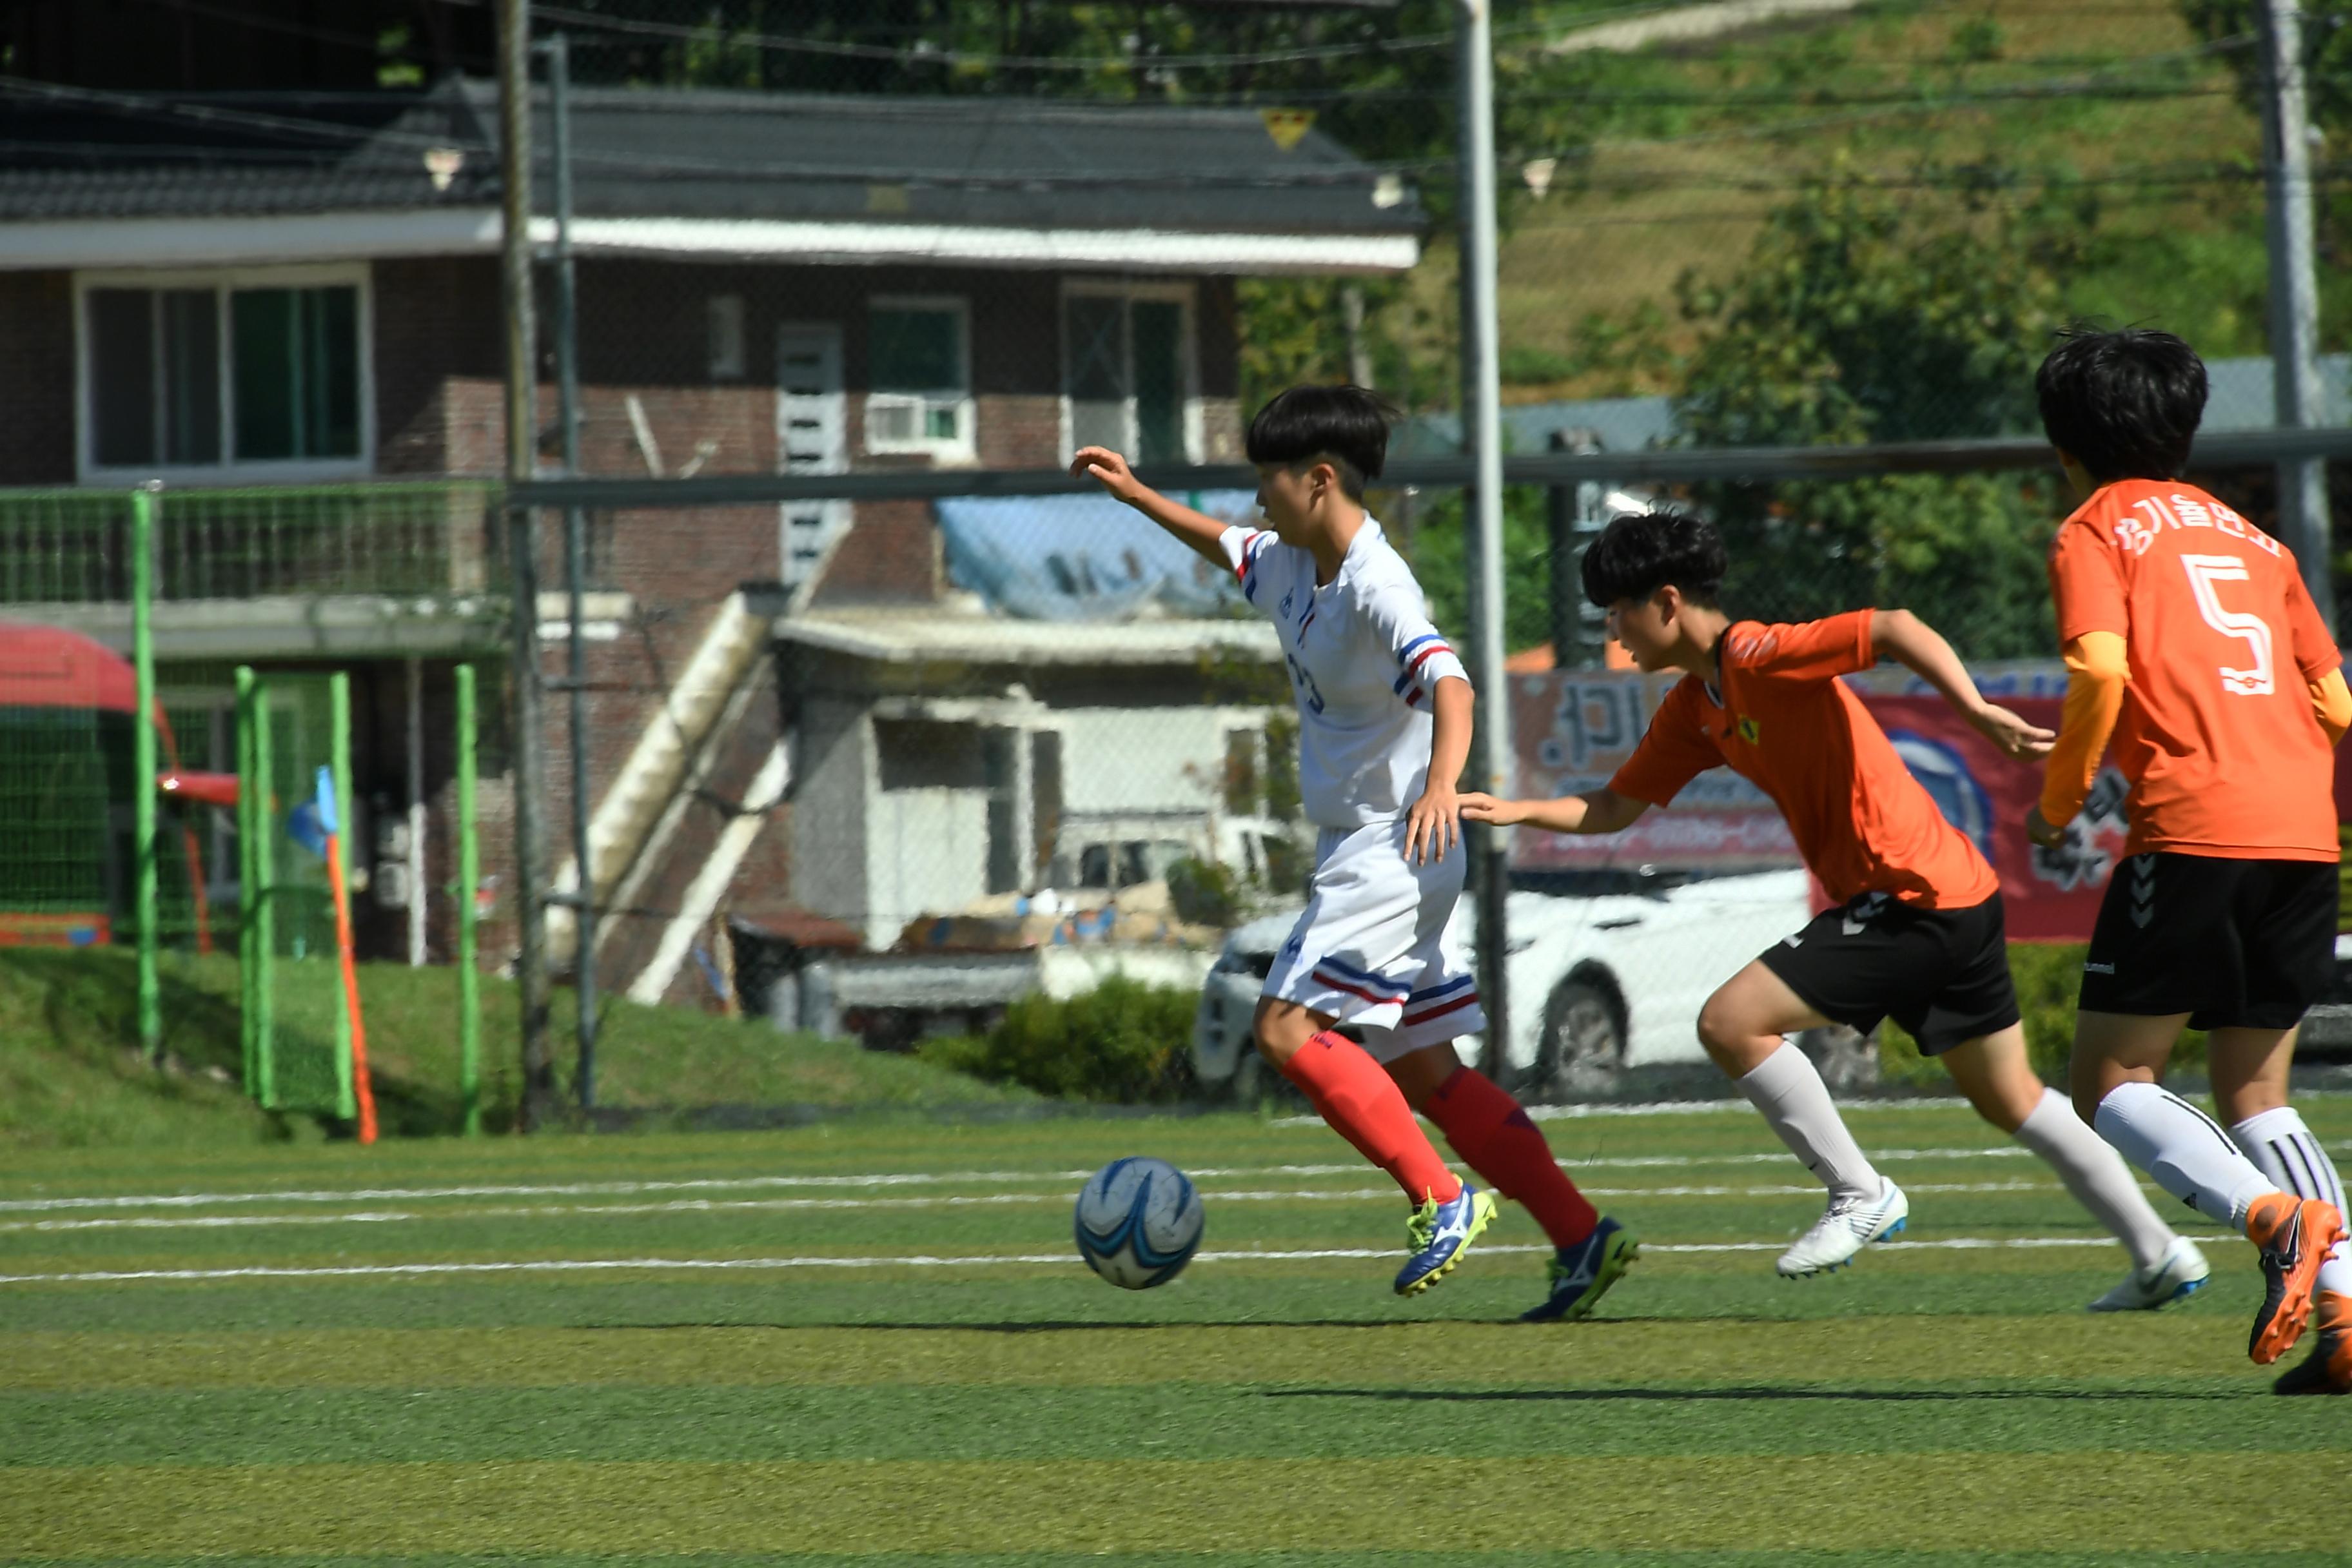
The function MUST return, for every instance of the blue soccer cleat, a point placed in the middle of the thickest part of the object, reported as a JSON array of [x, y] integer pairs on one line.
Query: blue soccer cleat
[[1582, 1274], [1439, 1234]]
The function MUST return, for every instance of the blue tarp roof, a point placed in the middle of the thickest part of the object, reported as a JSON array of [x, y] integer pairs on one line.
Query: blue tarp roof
[[1084, 557]]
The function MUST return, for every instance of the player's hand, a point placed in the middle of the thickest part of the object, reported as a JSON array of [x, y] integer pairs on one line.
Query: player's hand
[[1434, 825], [1496, 812], [2015, 737], [1108, 470], [2037, 829]]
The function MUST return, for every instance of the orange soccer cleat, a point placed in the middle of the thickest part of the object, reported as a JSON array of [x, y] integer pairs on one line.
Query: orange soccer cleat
[[2328, 1368], [2295, 1235]]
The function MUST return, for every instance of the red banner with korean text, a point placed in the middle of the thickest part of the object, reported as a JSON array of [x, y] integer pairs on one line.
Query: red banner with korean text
[[2048, 895], [1573, 729]]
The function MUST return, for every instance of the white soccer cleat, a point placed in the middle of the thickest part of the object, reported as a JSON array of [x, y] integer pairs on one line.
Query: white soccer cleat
[[1851, 1225], [2181, 1271]]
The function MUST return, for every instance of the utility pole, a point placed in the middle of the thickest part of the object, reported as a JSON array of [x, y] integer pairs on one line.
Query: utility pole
[[2303, 519], [1482, 437], [523, 449], [558, 50]]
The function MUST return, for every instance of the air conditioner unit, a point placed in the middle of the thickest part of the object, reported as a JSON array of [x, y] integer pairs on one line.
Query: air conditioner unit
[[893, 420]]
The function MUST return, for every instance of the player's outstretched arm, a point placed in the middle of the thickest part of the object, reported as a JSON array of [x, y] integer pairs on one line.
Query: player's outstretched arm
[[1911, 642], [1203, 533], [1435, 820], [1599, 810]]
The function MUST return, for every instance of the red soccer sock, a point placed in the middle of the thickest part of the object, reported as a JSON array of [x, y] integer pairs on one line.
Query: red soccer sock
[[1490, 1131], [1363, 1105]]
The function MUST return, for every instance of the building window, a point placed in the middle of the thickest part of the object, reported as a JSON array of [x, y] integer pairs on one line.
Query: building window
[[918, 377], [1127, 366], [195, 374], [727, 337]]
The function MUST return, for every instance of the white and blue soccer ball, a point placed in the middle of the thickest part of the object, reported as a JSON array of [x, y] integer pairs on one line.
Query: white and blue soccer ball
[[1138, 1223]]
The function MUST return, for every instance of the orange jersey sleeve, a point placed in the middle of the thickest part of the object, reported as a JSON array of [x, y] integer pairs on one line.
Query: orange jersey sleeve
[[2086, 584], [1674, 750], [2315, 653], [2331, 704], [2097, 670], [1801, 650]]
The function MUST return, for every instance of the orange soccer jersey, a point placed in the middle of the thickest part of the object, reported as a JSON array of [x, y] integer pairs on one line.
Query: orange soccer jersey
[[2217, 733], [1783, 721]]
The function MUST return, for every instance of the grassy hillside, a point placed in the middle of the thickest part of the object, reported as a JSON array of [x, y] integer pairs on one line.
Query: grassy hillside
[[2118, 106], [72, 1075]]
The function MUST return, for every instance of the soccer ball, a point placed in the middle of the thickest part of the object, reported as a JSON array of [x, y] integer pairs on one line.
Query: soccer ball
[[1138, 1223]]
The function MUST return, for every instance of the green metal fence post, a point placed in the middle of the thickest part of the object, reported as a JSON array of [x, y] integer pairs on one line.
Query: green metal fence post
[[265, 903], [247, 885], [469, 874], [339, 758], [142, 765]]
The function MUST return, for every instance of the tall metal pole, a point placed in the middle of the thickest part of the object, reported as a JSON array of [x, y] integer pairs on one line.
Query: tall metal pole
[[2302, 518], [265, 903], [1481, 435], [338, 764], [469, 878], [538, 1105], [249, 820], [417, 902], [143, 766], [575, 557], [1560, 518]]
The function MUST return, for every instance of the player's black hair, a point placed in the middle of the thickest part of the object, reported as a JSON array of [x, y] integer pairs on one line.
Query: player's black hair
[[2125, 404], [1348, 425], [1636, 556]]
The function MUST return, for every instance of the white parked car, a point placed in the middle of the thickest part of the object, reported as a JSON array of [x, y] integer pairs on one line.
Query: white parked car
[[1598, 984]]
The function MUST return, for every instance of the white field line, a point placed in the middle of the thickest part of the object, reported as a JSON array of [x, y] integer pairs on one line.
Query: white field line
[[881, 1179], [922, 1261], [829, 1205], [1715, 1107], [906, 1179]]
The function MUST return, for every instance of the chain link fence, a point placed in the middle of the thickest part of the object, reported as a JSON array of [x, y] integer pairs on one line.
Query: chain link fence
[[900, 730]]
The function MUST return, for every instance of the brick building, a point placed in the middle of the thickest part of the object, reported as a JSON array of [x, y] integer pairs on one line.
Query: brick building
[[285, 305]]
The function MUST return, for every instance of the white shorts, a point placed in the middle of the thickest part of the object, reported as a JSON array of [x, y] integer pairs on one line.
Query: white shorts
[[1375, 948]]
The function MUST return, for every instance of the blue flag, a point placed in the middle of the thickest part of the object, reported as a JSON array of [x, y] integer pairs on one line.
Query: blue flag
[[309, 823]]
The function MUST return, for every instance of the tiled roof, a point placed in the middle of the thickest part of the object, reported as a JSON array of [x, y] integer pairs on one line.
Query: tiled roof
[[74, 153]]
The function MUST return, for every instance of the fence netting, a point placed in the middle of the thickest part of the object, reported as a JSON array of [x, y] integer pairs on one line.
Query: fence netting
[[937, 774]]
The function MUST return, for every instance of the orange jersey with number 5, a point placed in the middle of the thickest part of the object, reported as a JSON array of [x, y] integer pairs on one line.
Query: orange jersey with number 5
[[2217, 733]]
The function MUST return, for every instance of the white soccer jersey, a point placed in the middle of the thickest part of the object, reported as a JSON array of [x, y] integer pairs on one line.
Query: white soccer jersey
[[1364, 660]]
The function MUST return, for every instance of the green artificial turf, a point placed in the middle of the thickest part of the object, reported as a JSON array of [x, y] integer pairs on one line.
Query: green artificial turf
[[868, 1342]]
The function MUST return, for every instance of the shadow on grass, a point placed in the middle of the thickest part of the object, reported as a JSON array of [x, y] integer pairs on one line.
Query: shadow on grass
[[1680, 1395], [1057, 1326]]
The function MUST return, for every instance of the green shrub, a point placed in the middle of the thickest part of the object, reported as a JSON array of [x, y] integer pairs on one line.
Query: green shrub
[[1203, 893], [2048, 976], [1524, 364], [1123, 1041]]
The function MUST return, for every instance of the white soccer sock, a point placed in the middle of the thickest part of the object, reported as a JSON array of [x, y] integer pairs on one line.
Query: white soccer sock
[[2282, 1148], [2097, 1177], [2184, 1149], [1793, 1099]]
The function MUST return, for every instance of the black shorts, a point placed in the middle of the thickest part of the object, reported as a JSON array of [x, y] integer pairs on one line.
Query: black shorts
[[2233, 943], [1943, 974]]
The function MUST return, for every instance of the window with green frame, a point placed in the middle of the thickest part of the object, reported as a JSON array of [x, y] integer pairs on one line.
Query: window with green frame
[[221, 376]]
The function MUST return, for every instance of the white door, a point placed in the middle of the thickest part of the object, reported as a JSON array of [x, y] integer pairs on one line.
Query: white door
[[812, 438]]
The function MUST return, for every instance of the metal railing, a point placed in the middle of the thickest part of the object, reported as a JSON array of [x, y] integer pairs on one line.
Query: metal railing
[[400, 539]]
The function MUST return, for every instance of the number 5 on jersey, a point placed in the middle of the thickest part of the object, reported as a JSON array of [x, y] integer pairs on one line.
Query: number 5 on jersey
[[2204, 572]]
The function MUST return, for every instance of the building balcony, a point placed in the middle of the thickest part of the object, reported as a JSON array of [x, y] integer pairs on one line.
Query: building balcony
[[281, 571]]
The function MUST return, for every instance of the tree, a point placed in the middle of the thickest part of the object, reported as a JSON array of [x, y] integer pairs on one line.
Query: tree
[[1860, 318]]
